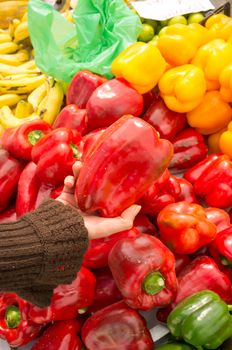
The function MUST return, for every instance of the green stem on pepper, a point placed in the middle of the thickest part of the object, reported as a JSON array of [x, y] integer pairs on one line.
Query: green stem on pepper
[[12, 317], [153, 283], [34, 136]]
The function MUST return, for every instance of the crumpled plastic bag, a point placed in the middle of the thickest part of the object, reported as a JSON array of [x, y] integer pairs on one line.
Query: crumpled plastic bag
[[102, 29]]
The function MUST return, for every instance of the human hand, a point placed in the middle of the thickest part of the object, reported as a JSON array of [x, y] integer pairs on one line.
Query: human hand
[[97, 227]]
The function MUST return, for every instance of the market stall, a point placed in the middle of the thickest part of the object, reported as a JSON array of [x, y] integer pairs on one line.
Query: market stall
[[139, 93]]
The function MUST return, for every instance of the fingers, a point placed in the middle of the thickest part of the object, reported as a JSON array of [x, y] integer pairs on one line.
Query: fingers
[[69, 183], [131, 212], [102, 227], [76, 168]]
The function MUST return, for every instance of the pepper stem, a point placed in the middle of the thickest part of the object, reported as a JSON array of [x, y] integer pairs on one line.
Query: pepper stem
[[34, 136], [83, 310], [12, 316], [75, 150], [153, 283], [229, 308]]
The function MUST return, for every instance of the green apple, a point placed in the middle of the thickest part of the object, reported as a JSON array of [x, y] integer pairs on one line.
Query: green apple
[[147, 33], [152, 23], [163, 23], [195, 17], [177, 20]]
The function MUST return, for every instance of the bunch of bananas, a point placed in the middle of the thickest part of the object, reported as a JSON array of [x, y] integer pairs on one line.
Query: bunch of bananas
[[25, 93]]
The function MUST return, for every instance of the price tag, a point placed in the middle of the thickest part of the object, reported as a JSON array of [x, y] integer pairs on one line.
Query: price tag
[[165, 9]]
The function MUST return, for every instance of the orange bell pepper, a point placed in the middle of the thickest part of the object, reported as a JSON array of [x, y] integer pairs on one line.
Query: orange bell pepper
[[226, 83], [212, 58], [178, 43], [142, 65], [225, 141], [211, 115], [213, 142], [182, 88]]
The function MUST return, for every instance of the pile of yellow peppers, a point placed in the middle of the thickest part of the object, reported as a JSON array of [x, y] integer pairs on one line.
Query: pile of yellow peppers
[[192, 67]]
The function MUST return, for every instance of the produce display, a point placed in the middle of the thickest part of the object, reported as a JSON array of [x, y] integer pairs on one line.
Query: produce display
[[156, 132]]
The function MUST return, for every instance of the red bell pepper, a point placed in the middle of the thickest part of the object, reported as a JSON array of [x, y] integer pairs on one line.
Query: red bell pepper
[[31, 191], [60, 336], [20, 141], [82, 86], [180, 262], [144, 225], [162, 192], [201, 274], [195, 172], [56, 192], [186, 192], [149, 98], [106, 292], [15, 325], [10, 171], [129, 146], [111, 101], [220, 218], [214, 183], [89, 140], [55, 155], [9, 215], [189, 149], [67, 299], [116, 327], [72, 117], [184, 227], [98, 251], [221, 251], [144, 272], [165, 121]]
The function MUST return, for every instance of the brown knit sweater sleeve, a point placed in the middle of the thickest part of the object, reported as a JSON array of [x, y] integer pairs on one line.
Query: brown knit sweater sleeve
[[41, 250]]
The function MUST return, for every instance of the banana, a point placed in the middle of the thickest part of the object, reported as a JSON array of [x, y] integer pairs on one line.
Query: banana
[[10, 100], [25, 68], [36, 96], [11, 9], [25, 17], [15, 59], [8, 120], [51, 104], [4, 38], [13, 25], [23, 109], [8, 47], [21, 32], [21, 85]]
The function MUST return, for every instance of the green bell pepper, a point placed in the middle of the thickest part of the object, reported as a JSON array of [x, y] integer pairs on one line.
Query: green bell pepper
[[202, 320], [174, 346]]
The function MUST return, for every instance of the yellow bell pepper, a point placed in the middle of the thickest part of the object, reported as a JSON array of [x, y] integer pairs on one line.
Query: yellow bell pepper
[[212, 58], [225, 142], [142, 65], [212, 114], [213, 142], [178, 43], [182, 88], [226, 83], [220, 26]]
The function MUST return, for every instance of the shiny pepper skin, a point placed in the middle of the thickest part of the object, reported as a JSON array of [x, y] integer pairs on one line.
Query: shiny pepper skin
[[183, 88], [211, 115], [184, 227], [129, 146], [179, 43], [212, 58], [142, 65]]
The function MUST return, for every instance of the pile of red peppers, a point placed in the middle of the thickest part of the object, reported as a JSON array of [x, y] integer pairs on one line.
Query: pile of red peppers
[[133, 150]]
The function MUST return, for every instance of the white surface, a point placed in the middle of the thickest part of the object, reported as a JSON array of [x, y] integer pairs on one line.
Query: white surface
[[165, 9]]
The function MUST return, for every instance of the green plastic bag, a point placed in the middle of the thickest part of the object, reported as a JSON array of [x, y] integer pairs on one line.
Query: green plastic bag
[[102, 29]]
